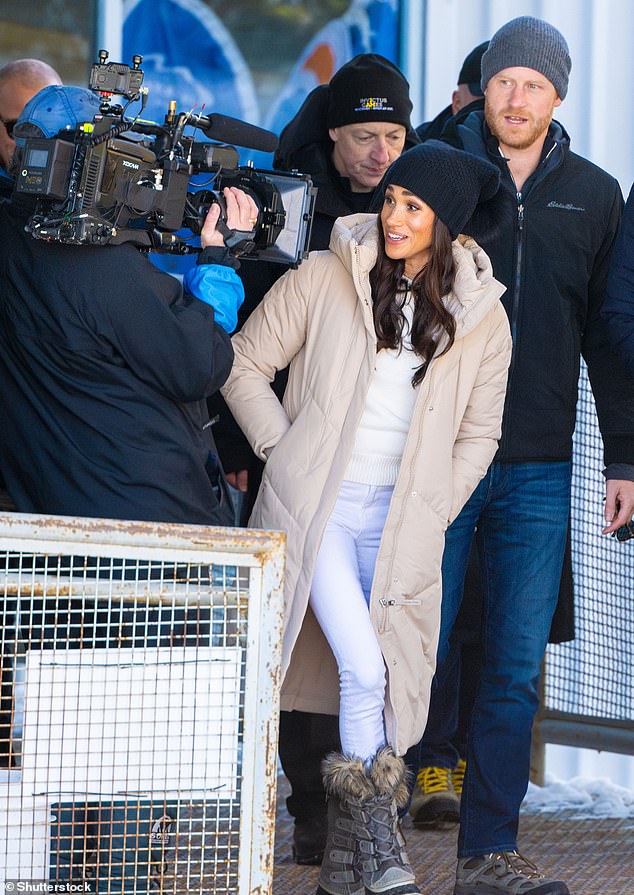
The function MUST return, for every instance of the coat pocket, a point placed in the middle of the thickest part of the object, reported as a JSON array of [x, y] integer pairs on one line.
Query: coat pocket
[[301, 443]]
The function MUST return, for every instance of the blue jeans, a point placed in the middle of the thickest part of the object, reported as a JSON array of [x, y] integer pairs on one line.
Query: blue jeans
[[521, 513], [437, 748]]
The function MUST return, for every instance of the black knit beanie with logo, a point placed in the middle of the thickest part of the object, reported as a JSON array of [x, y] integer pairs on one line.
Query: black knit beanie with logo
[[452, 182], [530, 43], [368, 88]]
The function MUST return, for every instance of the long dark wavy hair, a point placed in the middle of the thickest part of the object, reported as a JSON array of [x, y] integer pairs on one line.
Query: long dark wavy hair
[[428, 287]]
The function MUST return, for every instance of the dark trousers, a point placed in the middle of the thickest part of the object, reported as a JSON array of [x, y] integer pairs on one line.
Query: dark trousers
[[456, 679], [305, 739], [453, 695]]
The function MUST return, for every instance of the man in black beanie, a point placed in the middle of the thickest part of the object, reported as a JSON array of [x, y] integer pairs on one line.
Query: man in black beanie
[[549, 233], [345, 135], [367, 117]]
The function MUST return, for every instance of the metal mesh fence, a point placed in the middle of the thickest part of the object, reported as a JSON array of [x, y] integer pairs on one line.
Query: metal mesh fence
[[137, 731], [592, 676]]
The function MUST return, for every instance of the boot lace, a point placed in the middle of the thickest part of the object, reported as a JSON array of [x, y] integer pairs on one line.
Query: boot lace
[[513, 862], [434, 779], [385, 832]]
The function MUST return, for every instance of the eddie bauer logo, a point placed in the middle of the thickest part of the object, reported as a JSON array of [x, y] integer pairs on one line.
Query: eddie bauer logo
[[374, 104], [161, 831], [565, 206]]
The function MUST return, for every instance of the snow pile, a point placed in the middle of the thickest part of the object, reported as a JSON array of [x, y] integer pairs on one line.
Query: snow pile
[[583, 796]]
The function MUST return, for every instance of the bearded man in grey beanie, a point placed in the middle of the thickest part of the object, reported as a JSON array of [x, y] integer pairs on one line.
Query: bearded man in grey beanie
[[549, 233]]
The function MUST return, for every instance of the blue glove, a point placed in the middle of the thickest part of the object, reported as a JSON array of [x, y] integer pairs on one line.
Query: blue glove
[[220, 287]]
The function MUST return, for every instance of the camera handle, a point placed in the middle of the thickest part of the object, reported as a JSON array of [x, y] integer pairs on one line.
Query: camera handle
[[239, 242]]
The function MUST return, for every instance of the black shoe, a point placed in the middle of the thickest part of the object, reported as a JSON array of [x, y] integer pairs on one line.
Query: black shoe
[[309, 840]]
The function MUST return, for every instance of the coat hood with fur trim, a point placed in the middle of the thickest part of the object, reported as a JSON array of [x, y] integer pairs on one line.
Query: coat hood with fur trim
[[354, 241]]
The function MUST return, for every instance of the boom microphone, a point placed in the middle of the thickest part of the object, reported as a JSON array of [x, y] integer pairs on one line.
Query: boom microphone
[[231, 130]]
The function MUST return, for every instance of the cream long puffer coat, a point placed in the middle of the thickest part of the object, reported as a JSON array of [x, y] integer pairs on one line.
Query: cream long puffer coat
[[318, 319]]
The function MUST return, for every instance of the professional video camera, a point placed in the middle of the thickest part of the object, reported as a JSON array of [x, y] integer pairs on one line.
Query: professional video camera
[[115, 179]]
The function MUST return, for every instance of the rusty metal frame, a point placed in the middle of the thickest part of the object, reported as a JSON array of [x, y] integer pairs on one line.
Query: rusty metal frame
[[263, 553]]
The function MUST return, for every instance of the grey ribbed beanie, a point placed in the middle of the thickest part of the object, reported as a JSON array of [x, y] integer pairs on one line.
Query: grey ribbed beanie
[[531, 43]]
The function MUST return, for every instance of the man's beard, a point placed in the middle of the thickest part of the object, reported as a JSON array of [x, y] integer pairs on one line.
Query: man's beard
[[531, 132]]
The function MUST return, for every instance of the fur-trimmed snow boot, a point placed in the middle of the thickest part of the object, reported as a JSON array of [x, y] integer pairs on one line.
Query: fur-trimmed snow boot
[[365, 851], [347, 786], [384, 866]]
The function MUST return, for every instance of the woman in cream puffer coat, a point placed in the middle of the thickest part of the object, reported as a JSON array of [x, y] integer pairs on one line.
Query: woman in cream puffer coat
[[369, 430]]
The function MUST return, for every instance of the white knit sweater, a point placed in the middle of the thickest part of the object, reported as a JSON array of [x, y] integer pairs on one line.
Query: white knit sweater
[[380, 438]]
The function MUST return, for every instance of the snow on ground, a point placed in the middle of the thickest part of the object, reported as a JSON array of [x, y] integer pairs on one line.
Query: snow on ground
[[584, 796]]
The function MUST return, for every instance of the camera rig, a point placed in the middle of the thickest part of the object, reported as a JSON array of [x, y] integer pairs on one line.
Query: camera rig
[[114, 179]]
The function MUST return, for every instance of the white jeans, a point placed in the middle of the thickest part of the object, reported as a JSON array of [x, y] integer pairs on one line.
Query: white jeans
[[339, 598]]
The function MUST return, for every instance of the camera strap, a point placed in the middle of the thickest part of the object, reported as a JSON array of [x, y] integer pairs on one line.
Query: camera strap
[[239, 242]]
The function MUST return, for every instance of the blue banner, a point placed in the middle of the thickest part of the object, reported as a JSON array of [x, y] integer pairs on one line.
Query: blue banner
[[368, 26], [188, 56]]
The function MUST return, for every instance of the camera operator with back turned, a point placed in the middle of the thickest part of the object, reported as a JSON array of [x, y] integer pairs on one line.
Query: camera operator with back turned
[[105, 362]]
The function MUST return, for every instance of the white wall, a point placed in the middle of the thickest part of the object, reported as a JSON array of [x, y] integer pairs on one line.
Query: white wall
[[597, 110], [109, 28]]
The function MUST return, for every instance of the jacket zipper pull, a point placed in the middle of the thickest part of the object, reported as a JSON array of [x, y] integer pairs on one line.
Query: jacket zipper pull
[[520, 216], [385, 602], [520, 212], [212, 421]]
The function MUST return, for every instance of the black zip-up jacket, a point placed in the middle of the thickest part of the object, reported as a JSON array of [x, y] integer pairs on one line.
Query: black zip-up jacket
[[432, 130], [550, 246], [618, 307], [104, 367]]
